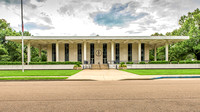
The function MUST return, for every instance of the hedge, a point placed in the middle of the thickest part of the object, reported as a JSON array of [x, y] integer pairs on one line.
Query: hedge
[[142, 62], [129, 63], [10, 63], [159, 62], [189, 62], [174, 62], [54, 63]]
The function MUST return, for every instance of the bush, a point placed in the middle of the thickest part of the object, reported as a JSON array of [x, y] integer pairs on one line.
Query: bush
[[54, 63], [174, 62], [122, 65], [10, 63], [159, 62], [129, 63], [189, 62], [142, 62]]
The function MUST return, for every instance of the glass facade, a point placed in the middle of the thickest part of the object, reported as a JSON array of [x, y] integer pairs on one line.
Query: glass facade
[[66, 52], [142, 52], [91, 53], [79, 51], [53, 52], [117, 53], [104, 53], [130, 52]]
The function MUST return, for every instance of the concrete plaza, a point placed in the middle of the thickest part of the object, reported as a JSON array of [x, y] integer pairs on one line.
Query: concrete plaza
[[114, 75], [100, 96]]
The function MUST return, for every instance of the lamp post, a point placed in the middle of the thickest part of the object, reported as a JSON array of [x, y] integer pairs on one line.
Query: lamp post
[[22, 35]]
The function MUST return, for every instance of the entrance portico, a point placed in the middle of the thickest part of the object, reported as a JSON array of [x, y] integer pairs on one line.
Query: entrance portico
[[98, 49]]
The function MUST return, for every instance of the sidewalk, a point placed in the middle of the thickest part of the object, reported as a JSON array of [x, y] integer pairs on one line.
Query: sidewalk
[[107, 75]]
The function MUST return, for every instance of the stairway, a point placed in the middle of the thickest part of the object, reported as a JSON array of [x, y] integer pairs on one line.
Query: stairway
[[104, 66], [99, 66]]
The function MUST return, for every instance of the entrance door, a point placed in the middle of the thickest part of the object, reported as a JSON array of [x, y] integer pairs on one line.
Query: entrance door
[[91, 53], [104, 53], [117, 53]]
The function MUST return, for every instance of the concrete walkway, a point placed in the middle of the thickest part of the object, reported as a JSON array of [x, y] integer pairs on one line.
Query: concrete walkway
[[103, 75], [114, 74]]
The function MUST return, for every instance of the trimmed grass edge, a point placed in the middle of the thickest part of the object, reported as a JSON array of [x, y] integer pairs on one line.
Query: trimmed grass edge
[[32, 78]]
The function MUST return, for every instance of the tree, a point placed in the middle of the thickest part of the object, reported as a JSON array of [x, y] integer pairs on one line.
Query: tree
[[12, 51], [4, 54], [189, 26], [160, 50]]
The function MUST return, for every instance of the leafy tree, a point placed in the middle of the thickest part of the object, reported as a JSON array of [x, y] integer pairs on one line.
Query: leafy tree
[[4, 54], [189, 26], [12, 51]]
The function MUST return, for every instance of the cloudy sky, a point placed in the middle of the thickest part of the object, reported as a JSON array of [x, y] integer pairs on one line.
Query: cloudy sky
[[92, 17]]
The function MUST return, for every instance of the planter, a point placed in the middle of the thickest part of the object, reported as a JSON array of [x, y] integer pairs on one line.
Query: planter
[[77, 68], [122, 68]]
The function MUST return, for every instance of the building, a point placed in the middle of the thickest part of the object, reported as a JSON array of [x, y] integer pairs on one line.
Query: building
[[97, 49]]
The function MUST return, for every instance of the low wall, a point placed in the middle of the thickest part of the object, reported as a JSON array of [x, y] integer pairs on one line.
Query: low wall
[[162, 66], [112, 66], [35, 67]]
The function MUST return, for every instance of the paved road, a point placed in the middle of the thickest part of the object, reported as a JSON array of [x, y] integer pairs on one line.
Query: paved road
[[92, 96]]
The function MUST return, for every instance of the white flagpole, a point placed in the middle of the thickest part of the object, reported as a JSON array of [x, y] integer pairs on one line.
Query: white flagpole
[[22, 36]]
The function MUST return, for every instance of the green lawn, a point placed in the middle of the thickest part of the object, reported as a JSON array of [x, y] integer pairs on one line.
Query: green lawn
[[38, 73], [33, 78], [164, 71]]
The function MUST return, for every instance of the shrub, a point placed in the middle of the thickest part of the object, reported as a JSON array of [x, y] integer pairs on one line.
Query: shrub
[[174, 62], [122, 65], [159, 62], [189, 62], [129, 63], [53, 63], [78, 64], [142, 62], [10, 63]]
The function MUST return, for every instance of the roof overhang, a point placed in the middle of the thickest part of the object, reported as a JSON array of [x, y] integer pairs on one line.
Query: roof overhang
[[151, 40]]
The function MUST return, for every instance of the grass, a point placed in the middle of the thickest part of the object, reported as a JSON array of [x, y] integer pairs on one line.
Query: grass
[[5, 73], [33, 78], [164, 71]]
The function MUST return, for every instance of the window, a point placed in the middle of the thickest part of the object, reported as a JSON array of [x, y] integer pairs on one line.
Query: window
[[142, 52], [104, 53], [79, 52], [91, 53], [117, 53], [66, 52], [130, 52], [53, 52]]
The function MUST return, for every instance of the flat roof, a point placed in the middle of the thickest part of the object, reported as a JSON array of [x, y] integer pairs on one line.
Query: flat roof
[[95, 37], [43, 41]]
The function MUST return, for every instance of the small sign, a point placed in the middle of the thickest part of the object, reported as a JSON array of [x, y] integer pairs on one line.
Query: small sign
[[98, 53]]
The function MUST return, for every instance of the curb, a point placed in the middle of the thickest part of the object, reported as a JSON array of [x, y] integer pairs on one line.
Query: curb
[[137, 79], [80, 80], [172, 77]]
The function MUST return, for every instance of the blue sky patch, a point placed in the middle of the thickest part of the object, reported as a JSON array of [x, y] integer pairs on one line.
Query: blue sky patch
[[118, 15]]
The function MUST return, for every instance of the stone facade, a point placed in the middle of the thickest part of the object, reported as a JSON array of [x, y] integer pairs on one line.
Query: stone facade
[[73, 52]]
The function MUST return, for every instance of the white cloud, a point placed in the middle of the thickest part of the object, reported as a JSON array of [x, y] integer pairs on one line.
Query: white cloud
[[73, 17]]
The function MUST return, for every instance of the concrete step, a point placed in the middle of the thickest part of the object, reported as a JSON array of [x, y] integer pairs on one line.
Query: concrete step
[[101, 66], [95, 66]]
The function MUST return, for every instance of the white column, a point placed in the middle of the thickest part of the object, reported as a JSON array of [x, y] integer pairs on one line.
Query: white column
[[112, 52], [29, 52], [139, 51], [166, 51], [155, 53], [57, 52], [40, 51], [85, 50]]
